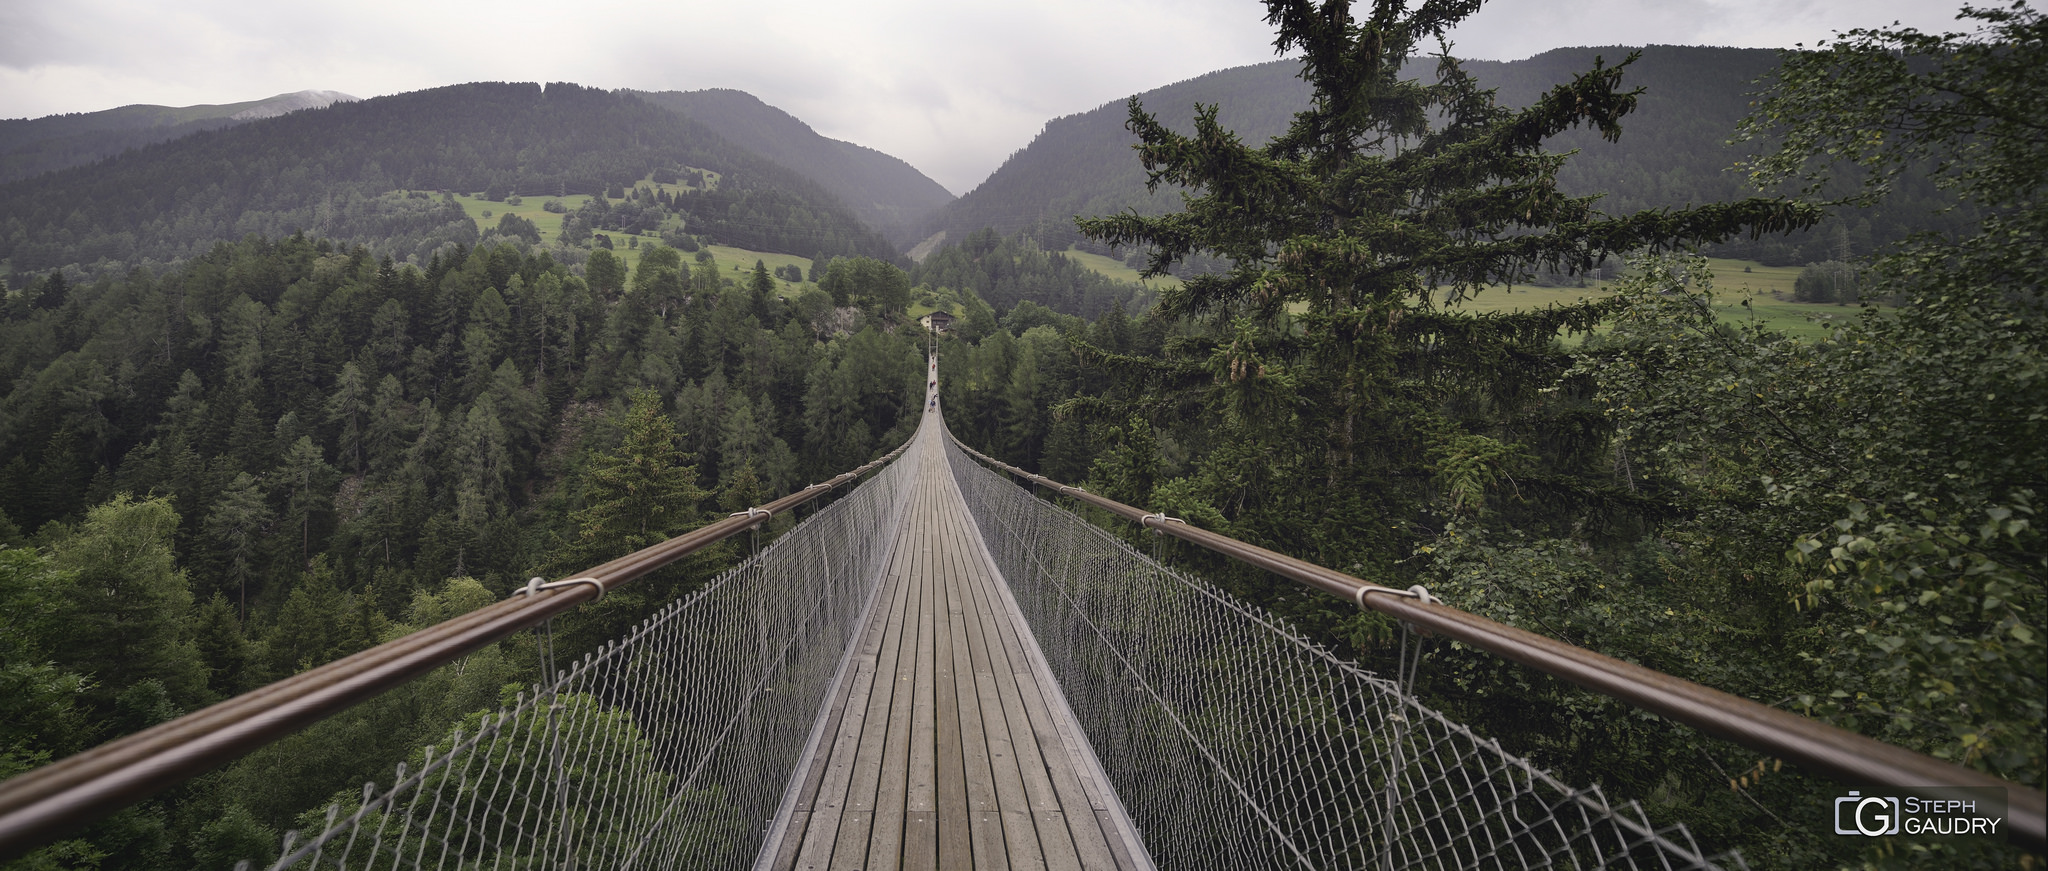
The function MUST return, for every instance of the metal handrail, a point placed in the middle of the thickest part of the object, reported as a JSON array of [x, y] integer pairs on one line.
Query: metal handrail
[[1837, 753], [38, 806]]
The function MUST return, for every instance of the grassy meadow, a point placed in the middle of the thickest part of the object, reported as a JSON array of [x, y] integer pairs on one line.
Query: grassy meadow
[[735, 263], [1761, 293], [1114, 268]]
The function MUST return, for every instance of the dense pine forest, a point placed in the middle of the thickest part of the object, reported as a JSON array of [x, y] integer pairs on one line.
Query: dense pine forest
[[286, 451]]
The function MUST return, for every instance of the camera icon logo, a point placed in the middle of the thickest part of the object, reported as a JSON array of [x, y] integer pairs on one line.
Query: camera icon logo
[[1871, 815]]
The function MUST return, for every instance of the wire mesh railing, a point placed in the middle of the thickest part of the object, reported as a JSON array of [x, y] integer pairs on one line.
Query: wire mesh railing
[[1236, 743], [669, 747], [40, 805]]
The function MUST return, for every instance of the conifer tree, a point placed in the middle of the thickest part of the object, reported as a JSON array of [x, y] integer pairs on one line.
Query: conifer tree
[[223, 648], [122, 614], [308, 484], [639, 494], [1327, 363], [236, 525], [763, 289], [390, 427], [346, 406]]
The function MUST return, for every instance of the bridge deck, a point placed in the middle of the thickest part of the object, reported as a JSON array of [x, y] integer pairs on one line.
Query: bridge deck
[[945, 747]]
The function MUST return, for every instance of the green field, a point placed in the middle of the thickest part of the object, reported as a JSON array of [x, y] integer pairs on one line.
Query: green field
[[738, 265], [550, 224], [1766, 289], [1116, 269], [735, 263]]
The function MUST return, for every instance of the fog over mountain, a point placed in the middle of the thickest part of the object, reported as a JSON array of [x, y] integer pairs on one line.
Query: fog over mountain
[[292, 102]]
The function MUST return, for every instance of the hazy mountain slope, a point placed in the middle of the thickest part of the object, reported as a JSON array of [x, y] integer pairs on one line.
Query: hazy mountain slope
[[884, 191], [1672, 152], [292, 102], [31, 146], [1083, 164], [309, 170]]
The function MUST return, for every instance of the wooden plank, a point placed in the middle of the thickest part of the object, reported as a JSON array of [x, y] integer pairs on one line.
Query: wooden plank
[[786, 854], [827, 811], [949, 780], [907, 757], [835, 718], [809, 836], [946, 753], [920, 842], [1090, 841], [991, 848], [1029, 758], [853, 845], [1026, 839], [1019, 835], [1030, 799], [1119, 848], [1126, 852]]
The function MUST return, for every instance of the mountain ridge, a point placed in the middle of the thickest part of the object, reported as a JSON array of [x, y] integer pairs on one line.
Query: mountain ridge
[[884, 190], [328, 172], [1672, 152], [32, 146]]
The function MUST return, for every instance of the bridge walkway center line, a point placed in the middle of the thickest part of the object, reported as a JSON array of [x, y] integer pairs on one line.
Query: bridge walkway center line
[[947, 744]]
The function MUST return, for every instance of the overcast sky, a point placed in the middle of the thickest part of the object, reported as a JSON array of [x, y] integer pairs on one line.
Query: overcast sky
[[952, 86]]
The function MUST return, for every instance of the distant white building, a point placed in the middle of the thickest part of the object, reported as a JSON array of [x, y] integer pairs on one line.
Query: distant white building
[[937, 322]]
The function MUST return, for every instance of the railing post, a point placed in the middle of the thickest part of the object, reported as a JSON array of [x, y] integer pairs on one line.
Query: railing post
[[1405, 674]]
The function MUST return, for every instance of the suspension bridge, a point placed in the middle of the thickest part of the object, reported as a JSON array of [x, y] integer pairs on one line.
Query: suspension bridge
[[939, 669]]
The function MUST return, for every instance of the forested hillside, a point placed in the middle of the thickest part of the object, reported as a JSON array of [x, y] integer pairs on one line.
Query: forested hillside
[[330, 172], [32, 146], [1672, 152], [890, 195], [1083, 164], [1006, 272], [282, 452]]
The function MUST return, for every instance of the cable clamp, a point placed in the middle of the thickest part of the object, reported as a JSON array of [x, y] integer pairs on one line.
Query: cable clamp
[[755, 512], [534, 585], [1145, 521], [1064, 488], [1417, 592]]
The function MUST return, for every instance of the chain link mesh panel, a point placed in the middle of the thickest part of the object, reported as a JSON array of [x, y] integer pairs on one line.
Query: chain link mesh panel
[[668, 748], [1236, 743]]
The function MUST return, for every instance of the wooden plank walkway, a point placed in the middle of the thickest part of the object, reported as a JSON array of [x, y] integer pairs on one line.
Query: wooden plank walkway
[[941, 748]]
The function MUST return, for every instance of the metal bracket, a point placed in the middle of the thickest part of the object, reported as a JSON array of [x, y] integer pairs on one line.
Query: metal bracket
[[534, 585], [1417, 592], [1162, 518]]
